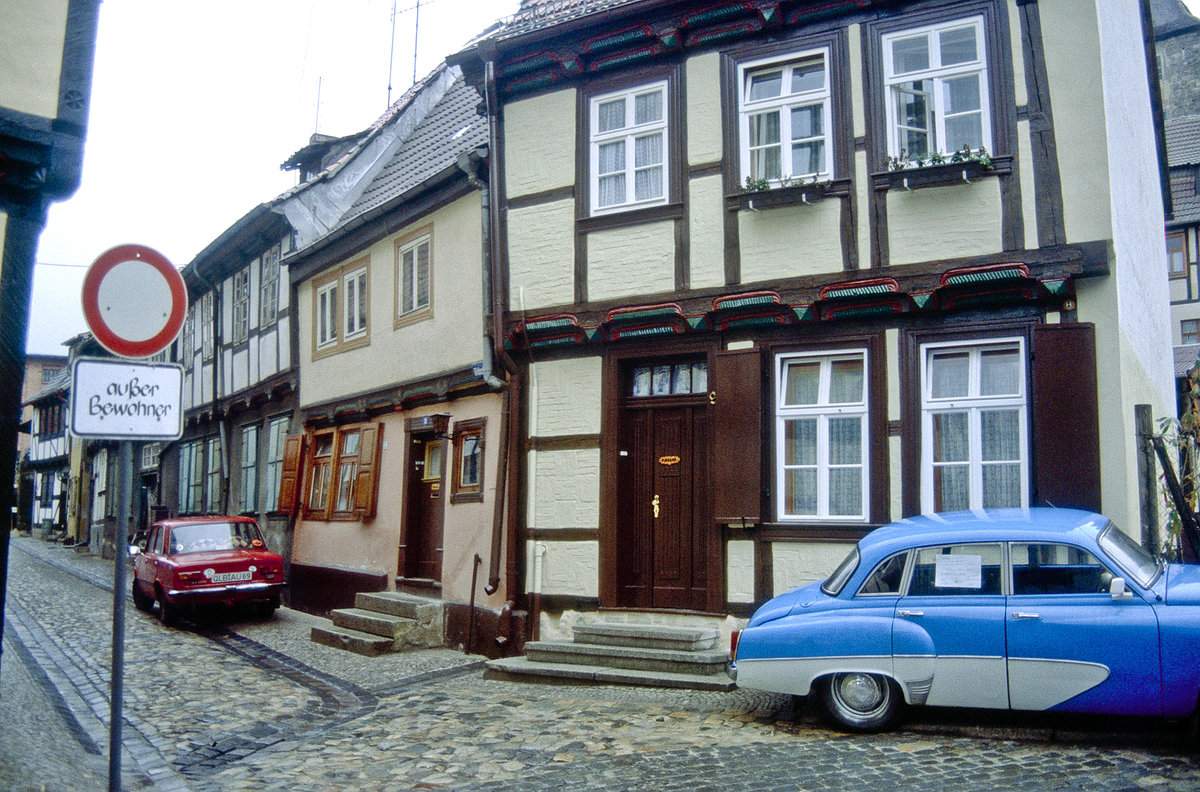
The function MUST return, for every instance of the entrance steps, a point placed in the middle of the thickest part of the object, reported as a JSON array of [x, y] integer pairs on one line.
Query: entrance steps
[[654, 655], [383, 622]]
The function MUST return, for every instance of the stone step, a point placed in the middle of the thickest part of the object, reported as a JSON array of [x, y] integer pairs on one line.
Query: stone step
[[371, 621], [394, 603], [352, 640], [523, 667], [628, 657], [650, 636]]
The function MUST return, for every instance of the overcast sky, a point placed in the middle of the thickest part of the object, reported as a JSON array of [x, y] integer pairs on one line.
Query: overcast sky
[[195, 105]]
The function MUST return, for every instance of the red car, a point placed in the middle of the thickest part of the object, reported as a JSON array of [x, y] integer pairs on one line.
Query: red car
[[193, 561]]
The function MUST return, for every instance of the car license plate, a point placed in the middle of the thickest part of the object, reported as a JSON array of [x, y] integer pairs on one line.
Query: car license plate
[[230, 577]]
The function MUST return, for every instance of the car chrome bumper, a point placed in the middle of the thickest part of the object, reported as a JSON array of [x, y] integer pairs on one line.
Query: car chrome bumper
[[225, 592]]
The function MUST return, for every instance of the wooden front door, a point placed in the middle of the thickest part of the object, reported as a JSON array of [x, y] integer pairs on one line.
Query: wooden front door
[[665, 536], [421, 547]]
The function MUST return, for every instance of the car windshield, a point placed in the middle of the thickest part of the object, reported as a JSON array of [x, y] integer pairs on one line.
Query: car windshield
[[844, 570], [1133, 559], [202, 537]]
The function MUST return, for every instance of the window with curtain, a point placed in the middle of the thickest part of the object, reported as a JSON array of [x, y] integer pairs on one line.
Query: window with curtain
[[277, 429], [355, 311], [412, 276], [975, 445], [628, 133], [821, 437], [241, 305], [268, 287], [785, 119], [1177, 262], [326, 315], [936, 89], [206, 325], [212, 480], [249, 466]]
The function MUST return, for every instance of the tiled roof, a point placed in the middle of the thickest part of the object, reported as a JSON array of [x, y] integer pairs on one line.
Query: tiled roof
[[1183, 140], [59, 383], [537, 14], [1171, 16], [452, 126], [1185, 359]]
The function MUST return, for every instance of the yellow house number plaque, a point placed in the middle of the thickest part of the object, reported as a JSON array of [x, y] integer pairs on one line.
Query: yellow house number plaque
[[668, 460]]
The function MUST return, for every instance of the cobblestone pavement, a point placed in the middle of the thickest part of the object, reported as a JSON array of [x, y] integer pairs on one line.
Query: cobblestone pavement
[[248, 705]]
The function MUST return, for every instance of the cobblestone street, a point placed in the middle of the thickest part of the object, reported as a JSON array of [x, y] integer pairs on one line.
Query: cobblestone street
[[243, 705]]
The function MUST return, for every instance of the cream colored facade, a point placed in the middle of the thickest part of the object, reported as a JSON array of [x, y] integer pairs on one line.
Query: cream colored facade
[[31, 47]]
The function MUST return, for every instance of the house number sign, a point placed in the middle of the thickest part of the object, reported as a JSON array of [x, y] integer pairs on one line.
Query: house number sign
[[668, 460]]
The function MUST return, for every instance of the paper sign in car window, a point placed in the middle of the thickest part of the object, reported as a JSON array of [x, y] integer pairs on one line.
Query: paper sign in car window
[[958, 571]]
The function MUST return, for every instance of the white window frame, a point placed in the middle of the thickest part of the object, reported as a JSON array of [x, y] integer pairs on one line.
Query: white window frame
[[937, 75], [408, 265], [326, 319], [249, 467], [823, 411], [629, 134], [241, 305], [277, 430], [784, 103], [268, 287], [356, 298], [207, 342], [974, 405]]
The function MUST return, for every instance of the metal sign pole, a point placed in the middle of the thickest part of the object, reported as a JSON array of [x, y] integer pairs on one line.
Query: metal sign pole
[[120, 592]]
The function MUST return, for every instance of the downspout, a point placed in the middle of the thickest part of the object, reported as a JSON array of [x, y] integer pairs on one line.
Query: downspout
[[513, 394]]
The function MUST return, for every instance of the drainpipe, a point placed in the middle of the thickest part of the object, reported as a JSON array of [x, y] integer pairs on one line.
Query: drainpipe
[[512, 402]]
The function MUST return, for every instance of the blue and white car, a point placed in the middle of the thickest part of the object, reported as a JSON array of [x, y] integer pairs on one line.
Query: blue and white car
[[1035, 609]]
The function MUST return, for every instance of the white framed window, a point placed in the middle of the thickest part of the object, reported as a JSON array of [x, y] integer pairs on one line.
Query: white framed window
[[628, 156], [241, 305], [974, 426], [821, 436], [191, 477], [214, 477], [249, 467], [785, 118], [207, 303], [413, 265], [277, 429], [268, 287], [326, 314], [937, 89], [355, 289]]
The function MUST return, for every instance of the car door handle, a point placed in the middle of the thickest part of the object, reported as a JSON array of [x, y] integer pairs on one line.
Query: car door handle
[[909, 614], [1022, 615]]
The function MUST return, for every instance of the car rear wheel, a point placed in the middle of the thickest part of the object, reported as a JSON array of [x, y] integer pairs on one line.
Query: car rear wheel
[[166, 611], [860, 702], [140, 600]]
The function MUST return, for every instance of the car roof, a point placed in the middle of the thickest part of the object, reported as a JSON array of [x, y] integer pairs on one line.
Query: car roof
[[1039, 523], [175, 522]]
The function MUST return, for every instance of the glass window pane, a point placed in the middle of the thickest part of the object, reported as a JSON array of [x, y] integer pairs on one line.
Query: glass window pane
[[951, 442], [681, 380], [611, 115], [950, 375], [961, 94], [910, 54], [648, 108], [800, 442], [1001, 435], [1001, 486], [648, 184], [662, 380], [699, 377], [766, 163], [845, 492], [845, 441], [765, 85], [612, 190], [764, 128], [808, 121], [800, 492], [345, 492], [647, 150], [611, 157], [422, 276], [950, 488], [1000, 372], [470, 461], [846, 382], [1056, 569], [958, 46], [964, 130], [350, 443], [808, 76], [808, 158], [323, 445], [802, 384], [641, 381]]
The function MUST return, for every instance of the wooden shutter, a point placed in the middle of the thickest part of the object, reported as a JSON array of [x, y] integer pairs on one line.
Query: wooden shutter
[[1066, 417], [736, 381], [290, 476], [367, 481]]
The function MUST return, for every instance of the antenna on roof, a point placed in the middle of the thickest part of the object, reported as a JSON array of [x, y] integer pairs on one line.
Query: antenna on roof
[[416, 39], [317, 119], [391, 54]]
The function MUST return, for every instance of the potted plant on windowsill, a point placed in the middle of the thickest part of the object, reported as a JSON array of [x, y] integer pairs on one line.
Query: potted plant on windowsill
[[936, 169], [759, 194]]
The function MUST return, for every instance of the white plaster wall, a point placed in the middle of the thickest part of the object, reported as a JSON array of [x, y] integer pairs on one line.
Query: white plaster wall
[[704, 108], [791, 241], [706, 219], [857, 90], [944, 222], [571, 568], [1028, 195], [31, 43], [565, 397], [541, 255], [634, 261], [739, 571], [799, 563], [539, 152], [564, 489]]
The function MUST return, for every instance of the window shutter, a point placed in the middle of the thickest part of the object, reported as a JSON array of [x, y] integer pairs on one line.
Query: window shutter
[[368, 470], [290, 475], [1066, 417], [737, 437]]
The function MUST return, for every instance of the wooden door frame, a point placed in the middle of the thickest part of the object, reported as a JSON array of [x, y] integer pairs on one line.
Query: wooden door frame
[[438, 426], [610, 431]]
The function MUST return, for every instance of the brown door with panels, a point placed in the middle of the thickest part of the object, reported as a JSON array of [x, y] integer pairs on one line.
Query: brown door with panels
[[421, 540], [664, 534]]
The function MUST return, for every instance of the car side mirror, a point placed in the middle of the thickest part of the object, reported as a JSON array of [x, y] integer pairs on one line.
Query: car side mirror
[[134, 551], [1117, 589]]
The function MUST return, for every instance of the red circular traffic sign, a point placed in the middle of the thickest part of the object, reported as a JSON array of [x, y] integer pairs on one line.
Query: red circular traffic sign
[[134, 301]]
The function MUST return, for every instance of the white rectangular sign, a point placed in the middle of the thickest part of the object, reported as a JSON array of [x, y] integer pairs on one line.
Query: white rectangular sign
[[118, 400]]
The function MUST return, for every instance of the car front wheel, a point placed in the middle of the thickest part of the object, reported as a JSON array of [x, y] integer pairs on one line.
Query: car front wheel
[[860, 702]]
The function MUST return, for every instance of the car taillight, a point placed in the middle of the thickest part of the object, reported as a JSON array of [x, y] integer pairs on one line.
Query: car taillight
[[733, 642], [269, 574], [190, 577]]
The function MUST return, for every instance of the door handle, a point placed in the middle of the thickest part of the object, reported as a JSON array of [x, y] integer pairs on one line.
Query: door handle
[[1022, 615], [654, 503], [909, 614]]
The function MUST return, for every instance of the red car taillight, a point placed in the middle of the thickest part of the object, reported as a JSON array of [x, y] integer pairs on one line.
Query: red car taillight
[[190, 577]]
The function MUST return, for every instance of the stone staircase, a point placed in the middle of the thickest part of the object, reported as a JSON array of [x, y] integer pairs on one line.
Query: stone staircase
[[382, 622], [627, 654]]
